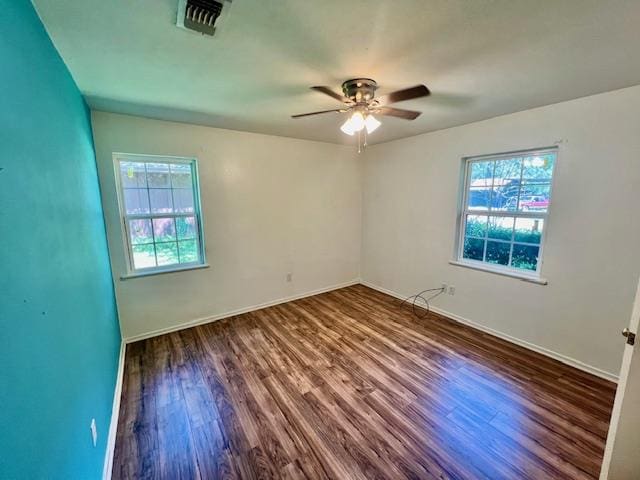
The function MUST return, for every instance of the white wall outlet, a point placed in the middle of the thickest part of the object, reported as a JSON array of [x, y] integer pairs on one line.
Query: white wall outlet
[[444, 287], [452, 290], [289, 277], [94, 432]]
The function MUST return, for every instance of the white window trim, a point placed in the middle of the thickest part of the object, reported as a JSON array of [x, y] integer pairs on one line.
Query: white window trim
[[132, 272], [530, 276]]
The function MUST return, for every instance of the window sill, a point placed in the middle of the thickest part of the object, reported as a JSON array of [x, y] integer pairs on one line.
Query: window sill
[[162, 272], [506, 273]]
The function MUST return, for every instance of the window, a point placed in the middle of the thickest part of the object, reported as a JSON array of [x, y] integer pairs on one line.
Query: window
[[504, 211], [160, 210]]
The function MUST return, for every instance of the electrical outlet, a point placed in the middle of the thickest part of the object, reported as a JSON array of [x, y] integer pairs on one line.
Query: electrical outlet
[[444, 287], [452, 290], [94, 432], [289, 277]]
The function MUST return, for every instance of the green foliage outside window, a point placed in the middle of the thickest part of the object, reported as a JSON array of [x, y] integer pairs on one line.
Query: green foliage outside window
[[523, 257]]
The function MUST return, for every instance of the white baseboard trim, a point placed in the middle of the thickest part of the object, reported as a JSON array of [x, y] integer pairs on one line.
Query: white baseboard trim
[[115, 413], [213, 318], [523, 343]]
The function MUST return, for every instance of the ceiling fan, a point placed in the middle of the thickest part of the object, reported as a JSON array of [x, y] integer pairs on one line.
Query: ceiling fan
[[358, 96]]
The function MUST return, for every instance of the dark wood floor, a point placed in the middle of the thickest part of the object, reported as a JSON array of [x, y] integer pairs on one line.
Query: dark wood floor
[[347, 385]]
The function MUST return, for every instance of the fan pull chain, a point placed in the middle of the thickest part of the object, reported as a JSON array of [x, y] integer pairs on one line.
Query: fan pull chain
[[362, 144]]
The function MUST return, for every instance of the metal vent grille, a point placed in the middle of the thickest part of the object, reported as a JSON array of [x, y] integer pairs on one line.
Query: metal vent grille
[[201, 15]]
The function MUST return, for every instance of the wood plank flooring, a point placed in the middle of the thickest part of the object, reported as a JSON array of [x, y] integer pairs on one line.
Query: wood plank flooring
[[348, 385]]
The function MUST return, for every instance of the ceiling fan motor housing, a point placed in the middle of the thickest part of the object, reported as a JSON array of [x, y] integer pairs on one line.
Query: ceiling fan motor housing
[[358, 97], [360, 90]]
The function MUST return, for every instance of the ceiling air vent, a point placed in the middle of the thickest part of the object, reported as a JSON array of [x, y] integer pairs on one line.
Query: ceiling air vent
[[202, 16]]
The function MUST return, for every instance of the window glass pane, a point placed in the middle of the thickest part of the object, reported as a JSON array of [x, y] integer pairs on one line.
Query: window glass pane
[[473, 249], [167, 253], [507, 171], [181, 175], [188, 251], [481, 174], [143, 256], [161, 201], [479, 198], [534, 198], [186, 227], [183, 198], [476, 226], [140, 231], [506, 183], [498, 252], [158, 175], [500, 228], [164, 229], [538, 168], [525, 257], [133, 175], [479, 192], [136, 200], [529, 230]]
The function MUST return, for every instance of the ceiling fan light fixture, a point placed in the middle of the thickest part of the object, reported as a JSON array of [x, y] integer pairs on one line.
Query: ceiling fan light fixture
[[371, 123], [357, 121], [347, 127], [354, 123]]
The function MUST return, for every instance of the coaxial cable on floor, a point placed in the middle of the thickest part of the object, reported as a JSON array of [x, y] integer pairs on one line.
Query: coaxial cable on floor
[[414, 298]]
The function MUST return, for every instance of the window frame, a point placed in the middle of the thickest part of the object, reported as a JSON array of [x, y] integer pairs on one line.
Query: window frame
[[463, 212], [131, 271]]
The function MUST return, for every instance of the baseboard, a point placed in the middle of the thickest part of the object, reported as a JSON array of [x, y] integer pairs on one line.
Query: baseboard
[[115, 413], [252, 308], [523, 343]]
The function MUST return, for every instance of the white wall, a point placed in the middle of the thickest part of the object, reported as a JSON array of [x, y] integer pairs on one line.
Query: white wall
[[271, 205], [592, 251]]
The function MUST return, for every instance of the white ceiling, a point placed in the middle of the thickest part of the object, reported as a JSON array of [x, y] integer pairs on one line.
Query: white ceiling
[[480, 58]]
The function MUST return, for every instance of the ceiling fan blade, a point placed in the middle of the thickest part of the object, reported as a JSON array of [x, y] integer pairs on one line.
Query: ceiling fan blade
[[316, 113], [331, 93], [398, 112], [406, 94]]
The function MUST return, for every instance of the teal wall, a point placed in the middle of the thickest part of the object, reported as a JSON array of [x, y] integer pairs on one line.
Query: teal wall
[[59, 334]]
